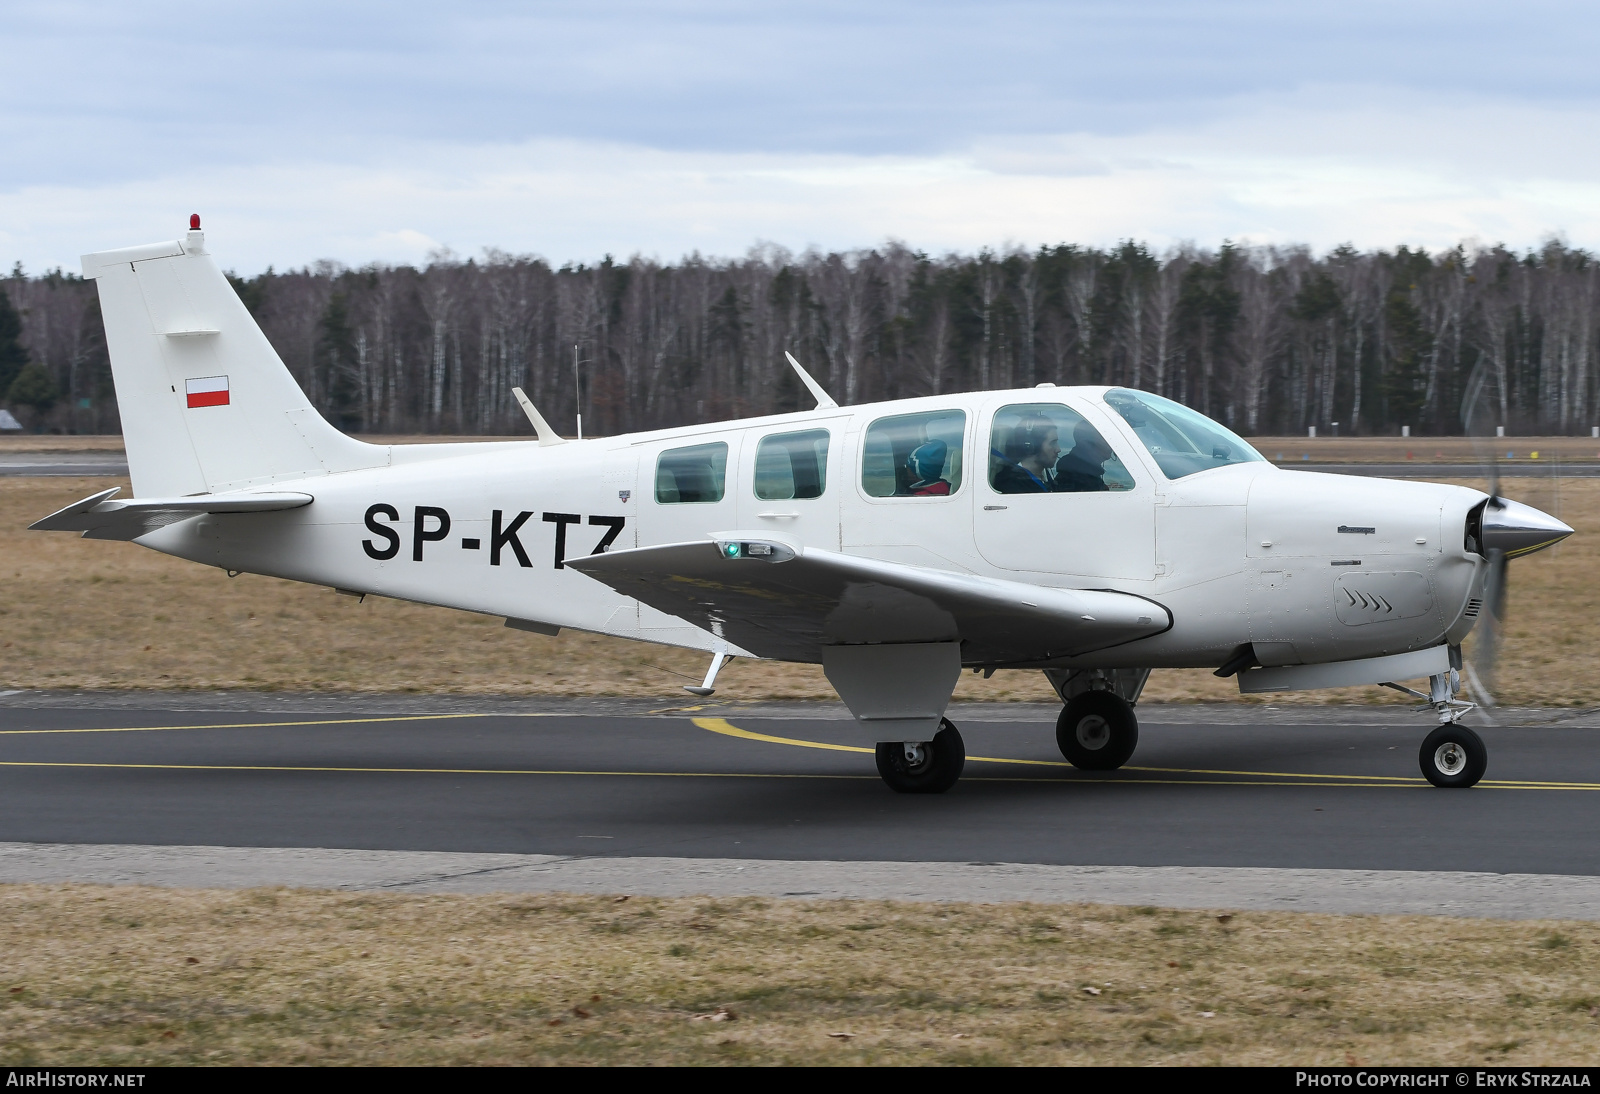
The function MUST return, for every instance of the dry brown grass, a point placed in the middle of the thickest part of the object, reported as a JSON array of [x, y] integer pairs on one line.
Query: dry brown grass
[[129, 976], [92, 614]]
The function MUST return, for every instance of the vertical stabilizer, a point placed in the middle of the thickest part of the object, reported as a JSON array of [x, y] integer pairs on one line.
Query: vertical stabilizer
[[206, 402]]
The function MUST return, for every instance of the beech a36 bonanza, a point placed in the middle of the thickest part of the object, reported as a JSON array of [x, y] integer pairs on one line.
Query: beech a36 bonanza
[[1093, 533]]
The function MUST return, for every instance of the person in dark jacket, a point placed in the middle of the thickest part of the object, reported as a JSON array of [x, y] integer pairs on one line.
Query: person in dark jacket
[[1083, 469]]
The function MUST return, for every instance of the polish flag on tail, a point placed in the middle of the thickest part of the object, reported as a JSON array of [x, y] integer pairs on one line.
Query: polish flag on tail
[[207, 391]]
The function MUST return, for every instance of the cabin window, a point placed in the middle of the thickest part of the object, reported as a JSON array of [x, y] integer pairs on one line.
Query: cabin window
[[792, 465], [1181, 440], [1048, 448], [913, 455], [695, 474]]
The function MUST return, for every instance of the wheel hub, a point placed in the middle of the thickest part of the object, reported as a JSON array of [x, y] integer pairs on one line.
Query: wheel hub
[[918, 755], [1450, 758], [1093, 732]]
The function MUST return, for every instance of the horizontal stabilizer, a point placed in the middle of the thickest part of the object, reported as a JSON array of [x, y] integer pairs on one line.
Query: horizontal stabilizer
[[779, 599], [99, 516]]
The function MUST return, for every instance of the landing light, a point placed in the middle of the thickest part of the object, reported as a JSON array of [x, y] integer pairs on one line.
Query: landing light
[[766, 552]]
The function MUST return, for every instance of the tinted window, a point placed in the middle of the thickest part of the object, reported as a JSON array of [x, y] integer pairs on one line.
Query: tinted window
[[1182, 441], [914, 455], [692, 474], [1048, 448], [792, 465]]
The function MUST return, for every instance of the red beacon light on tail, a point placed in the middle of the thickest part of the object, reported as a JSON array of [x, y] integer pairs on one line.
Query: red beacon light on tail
[[194, 222]]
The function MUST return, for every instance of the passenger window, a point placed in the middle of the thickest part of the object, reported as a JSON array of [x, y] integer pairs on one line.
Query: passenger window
[[792, 465], [692, 474], [913, 456], [1048, 448]]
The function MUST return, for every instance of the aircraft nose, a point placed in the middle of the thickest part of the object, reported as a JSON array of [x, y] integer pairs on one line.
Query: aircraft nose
[[1519, 529]]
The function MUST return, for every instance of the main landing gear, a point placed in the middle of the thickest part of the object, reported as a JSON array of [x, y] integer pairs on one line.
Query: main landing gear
[[1097, 731], [923, 767]]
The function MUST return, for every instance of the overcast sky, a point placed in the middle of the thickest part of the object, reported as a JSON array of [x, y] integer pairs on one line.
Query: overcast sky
[[382, 131]]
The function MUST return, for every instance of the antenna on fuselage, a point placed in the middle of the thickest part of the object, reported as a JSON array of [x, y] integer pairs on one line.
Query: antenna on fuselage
[[577, 389], [824, 400], [540, 426]]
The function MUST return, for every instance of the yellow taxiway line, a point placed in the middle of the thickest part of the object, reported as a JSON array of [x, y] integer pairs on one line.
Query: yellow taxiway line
[[266, 725], [723, 726]]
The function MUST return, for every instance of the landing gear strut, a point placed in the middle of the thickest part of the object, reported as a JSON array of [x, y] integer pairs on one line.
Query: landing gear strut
[[1097, 731], [1452, 756], [923, 767]]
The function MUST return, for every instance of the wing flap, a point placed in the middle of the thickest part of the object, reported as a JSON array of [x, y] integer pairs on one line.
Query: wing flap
[[780, 600], [100, 516]]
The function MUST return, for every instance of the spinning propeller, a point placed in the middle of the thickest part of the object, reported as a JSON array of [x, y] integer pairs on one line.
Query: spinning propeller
[[1504, 529]]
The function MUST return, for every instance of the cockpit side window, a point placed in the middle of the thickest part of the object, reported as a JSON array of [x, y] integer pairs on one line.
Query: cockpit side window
[[792, 465], [1181, 440], [1049, 448], [695, 474], [914, 455]]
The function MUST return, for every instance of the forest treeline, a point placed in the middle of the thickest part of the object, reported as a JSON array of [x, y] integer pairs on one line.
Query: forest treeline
[[1269, 340]]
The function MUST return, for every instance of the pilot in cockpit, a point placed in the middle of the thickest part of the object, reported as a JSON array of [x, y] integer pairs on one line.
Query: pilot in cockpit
[[1083, 469]]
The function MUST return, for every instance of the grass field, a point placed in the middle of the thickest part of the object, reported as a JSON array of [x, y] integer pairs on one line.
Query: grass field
[[130, 976], [95, 614]]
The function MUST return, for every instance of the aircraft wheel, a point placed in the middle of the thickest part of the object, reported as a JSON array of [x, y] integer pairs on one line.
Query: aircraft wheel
[[933, 767], [1453, 756], [1097, 731]]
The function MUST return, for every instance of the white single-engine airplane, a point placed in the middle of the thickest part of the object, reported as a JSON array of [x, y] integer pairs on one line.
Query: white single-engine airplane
[[1093, 533]]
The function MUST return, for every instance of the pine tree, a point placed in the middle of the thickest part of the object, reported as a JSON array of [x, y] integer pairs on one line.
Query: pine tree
[[13, 354]]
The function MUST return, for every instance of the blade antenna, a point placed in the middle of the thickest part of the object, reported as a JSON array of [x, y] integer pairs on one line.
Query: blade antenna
[[547, 435], [824, 400]]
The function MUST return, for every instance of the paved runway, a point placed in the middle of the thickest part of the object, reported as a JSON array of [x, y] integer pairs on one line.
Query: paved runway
[[1324, 795]]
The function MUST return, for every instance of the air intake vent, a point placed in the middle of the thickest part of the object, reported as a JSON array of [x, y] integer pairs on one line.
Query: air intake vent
[[1472, 608]]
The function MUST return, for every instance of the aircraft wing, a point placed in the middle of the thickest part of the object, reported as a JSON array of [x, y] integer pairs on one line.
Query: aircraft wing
[[778, 599], [100, 517]]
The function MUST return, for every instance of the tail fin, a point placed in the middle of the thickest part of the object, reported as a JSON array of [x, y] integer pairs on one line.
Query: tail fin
[[206, 402]]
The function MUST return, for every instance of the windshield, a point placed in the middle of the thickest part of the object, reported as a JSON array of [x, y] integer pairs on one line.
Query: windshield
[[1181, 440]]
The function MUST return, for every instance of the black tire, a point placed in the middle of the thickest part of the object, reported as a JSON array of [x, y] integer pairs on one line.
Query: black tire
[[1097, 731], [1453, 756], [945, 757]]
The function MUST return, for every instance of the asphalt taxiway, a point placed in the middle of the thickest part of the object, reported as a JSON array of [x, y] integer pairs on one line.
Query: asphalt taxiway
[[1332, 793]]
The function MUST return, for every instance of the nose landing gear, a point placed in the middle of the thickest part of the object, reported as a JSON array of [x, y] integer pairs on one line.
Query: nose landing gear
[[1452, 756]]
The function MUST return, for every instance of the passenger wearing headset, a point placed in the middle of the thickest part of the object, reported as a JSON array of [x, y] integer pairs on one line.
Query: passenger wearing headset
[[1033, 446]]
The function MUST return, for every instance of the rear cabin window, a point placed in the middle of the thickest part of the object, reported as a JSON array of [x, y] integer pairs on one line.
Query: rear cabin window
[[914, 455], [792, 465], [1049, 448], [695, 474]]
